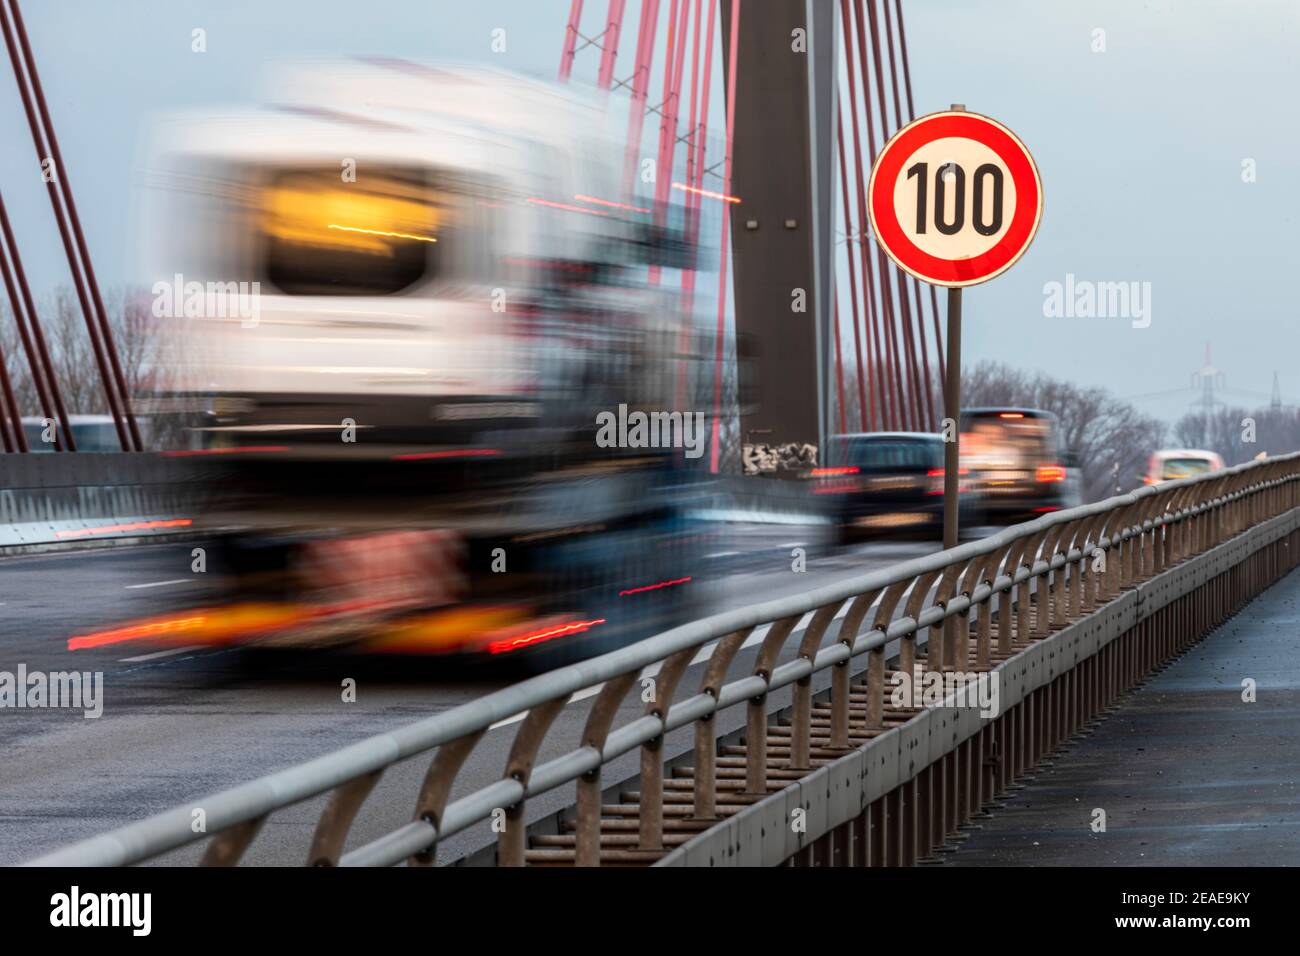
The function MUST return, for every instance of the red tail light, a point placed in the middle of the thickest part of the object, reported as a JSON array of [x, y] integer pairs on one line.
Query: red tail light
[[936, 480], [505, 645], [1050, 473], [654, 587], [846, 485]]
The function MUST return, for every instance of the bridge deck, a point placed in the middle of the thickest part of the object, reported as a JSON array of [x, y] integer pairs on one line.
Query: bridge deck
[[1187, 773]]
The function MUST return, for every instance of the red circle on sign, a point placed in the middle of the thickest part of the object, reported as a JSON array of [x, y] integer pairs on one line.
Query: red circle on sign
[[1024, 221]]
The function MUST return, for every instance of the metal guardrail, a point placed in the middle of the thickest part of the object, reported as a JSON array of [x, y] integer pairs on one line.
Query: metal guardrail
[[905, 794], [1041, 575]]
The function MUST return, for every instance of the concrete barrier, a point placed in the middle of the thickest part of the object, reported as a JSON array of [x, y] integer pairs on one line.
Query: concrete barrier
[[65, 500], [749, 498], [52, 501]]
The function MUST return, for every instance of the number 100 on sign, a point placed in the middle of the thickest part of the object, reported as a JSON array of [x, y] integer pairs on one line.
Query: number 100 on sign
[[955, 198]]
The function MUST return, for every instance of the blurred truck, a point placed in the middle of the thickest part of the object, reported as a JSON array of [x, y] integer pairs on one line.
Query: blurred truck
[[397, 299]]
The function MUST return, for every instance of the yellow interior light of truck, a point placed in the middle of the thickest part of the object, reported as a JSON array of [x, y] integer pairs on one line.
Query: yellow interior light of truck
[[381, 232], [303, 211]]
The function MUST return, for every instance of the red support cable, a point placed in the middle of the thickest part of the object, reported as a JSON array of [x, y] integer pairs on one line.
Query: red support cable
[[571, 39], [839, 371], [640, 85], [872, 317], [609, 43], [911, 282], [694, 174], [849, 232], [911, 114], [700, 128], [699, 144], [734, 44], [912, 368], [118, 389], [674, 60], [694, 135], [664, 96], [893, 67], [11, 425], [706, 84], [11, 416], [890, 378], [886, 287], [672, 108], [29, 331], [9, 404]]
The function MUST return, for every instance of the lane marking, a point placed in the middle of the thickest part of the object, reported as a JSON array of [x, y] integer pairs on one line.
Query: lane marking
[[157, 654], [158, 584], [731, 516]]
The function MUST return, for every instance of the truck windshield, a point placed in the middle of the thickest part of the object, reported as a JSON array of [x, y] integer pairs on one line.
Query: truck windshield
[[321, 235]]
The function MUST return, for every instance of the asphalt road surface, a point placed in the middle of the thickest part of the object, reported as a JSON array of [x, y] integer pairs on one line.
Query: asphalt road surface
[[179, 725]]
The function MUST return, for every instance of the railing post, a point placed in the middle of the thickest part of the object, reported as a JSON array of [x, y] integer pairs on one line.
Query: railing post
[[651, 835], [706, 745], [756, 745], [513, 839], [587, 834], [801, 729], [876, 689]]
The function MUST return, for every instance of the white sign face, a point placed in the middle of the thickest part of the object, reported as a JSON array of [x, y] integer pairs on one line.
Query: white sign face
[[955, 198]]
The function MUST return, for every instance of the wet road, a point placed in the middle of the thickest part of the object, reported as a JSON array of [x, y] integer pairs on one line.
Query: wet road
[[179, 725], [1186, 771]]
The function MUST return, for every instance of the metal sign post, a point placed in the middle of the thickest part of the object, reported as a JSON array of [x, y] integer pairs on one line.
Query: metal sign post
[[952, 411]]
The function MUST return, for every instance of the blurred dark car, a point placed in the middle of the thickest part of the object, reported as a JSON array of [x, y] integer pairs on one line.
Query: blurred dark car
[[1015, 465], [884, 483]]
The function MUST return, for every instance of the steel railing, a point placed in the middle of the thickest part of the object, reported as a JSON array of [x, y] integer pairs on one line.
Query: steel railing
[[1020, 585]]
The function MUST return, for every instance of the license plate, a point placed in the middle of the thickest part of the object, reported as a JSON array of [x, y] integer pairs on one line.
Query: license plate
[[892, 484]]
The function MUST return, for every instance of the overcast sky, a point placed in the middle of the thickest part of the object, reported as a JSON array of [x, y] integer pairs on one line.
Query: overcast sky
[[1140, 148]]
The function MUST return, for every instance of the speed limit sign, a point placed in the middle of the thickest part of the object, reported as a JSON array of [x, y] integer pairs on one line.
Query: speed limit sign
[[954, 198]]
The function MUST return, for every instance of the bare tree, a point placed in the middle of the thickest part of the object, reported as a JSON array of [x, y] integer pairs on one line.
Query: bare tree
[[1110, 438], [143, 350], [1239, 434]]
